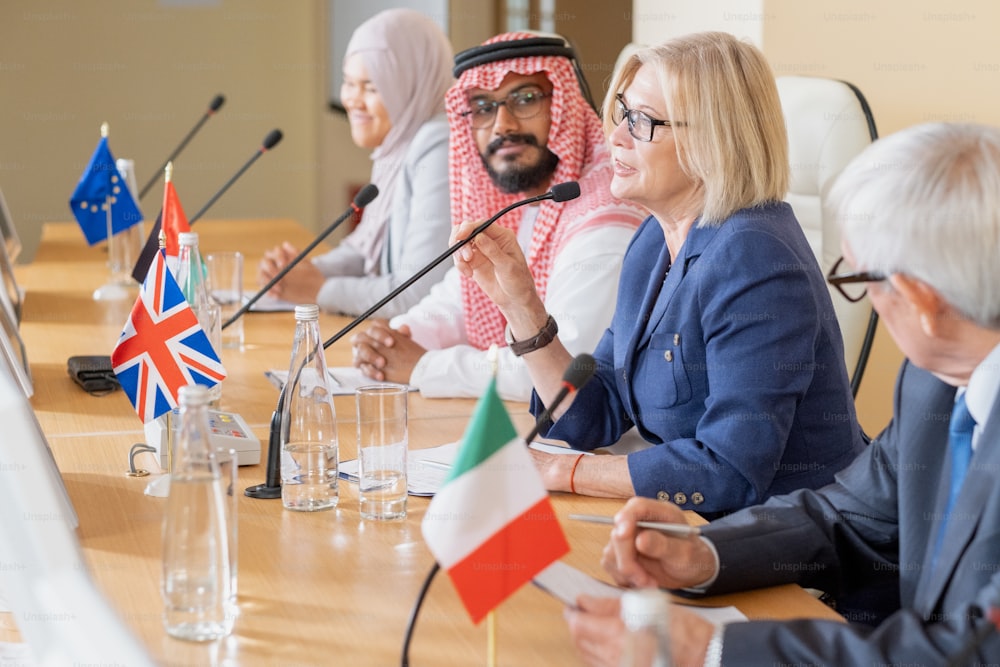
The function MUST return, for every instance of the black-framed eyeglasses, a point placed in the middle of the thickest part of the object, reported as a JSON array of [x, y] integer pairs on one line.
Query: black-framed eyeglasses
[[523, 104], [853, 286], [640, 124]]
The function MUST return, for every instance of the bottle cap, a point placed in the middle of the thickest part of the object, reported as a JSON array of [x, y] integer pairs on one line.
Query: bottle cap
[[308, 311], [187, 238], [192, 394], [643, 608]]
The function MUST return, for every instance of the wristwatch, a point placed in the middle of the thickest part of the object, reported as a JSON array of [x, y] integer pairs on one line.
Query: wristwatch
[[544, 336]]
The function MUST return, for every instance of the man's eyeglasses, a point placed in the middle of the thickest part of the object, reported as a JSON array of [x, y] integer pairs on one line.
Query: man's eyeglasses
[[523, 104], [852, 286], [640, 124]]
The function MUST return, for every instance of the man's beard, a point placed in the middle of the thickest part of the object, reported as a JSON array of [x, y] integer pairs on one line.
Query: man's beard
[[517, 178]]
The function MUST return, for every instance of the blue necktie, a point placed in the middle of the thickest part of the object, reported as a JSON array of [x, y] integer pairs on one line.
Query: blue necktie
[[960, 430]]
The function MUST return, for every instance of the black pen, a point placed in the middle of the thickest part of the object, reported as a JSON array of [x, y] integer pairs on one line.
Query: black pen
[[672, 529]]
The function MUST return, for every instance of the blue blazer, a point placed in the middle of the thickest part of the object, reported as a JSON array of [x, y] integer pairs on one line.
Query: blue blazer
[[874, 530], [731, 363]]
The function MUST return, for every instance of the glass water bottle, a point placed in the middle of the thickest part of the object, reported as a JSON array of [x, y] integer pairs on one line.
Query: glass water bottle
[[191, 278], [196, 578], [309, 455]]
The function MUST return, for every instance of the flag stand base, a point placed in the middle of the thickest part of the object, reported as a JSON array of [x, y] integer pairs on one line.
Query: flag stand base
[[114, 291]]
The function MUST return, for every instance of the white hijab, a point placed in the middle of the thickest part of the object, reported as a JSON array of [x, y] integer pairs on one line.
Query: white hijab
[[409, 60]]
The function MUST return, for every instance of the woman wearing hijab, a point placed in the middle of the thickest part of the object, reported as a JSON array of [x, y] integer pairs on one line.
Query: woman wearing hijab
[[397, 68]]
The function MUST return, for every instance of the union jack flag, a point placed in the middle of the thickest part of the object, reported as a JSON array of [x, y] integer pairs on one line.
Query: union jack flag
[[162, 347]]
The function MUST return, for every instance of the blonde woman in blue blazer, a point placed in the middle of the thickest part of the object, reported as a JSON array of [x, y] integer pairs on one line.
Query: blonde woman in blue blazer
[[724, 352]]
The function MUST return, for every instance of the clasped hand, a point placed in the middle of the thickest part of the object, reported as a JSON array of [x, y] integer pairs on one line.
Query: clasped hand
[[300, 285], [386, 354]]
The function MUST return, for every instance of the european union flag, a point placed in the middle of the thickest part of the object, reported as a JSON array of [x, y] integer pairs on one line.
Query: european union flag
[[101, 186]]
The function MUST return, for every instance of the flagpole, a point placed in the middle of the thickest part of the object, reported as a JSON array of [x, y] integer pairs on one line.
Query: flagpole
[[107, 216], [116, 288], [491, 639], [491, 618], [107, 203], [168, 422]]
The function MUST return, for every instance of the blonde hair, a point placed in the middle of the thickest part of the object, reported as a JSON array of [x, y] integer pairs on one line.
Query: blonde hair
[[729, 132]]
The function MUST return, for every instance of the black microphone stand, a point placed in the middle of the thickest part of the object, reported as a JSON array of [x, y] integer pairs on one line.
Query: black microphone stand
[[146, 256], [411, 622], [271, 488], [578, 374], [363, 198], [437, 260], [213, 106], [561, 192]]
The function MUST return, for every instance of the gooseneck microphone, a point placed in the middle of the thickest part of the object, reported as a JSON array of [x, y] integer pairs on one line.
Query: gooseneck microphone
[[213, 106], [152, 241], [270, 141], [557, 193], [362, 199], [271, 488], [577, 375]]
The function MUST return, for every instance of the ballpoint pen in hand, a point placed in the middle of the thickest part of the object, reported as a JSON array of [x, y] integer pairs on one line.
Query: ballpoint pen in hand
[[673, 529]]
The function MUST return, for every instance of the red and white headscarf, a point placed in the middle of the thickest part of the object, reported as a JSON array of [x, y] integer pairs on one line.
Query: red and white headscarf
[[575, 135]]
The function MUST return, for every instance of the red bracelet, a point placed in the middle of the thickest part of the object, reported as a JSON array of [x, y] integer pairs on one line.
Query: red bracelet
[[572, 488]]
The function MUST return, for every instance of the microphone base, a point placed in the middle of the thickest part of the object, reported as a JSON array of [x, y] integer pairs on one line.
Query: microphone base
[[263, 492]]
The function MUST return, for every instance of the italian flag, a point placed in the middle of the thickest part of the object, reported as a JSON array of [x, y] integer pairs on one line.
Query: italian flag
[[491, 526]]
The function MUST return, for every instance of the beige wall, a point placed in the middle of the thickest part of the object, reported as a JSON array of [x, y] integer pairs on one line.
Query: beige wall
[[658, 20], [150, 69]]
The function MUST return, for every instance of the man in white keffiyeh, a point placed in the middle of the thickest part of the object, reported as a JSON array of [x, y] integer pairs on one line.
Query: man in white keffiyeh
[[519, 124]]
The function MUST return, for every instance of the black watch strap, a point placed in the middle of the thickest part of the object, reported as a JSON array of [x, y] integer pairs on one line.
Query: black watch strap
[[544, 336]]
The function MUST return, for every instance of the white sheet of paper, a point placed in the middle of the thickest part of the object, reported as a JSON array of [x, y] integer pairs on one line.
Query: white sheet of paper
[[566, 583], [427, 469], [269, 304]]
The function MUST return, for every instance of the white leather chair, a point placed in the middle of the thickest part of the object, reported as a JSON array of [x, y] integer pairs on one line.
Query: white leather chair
[[828, 123]]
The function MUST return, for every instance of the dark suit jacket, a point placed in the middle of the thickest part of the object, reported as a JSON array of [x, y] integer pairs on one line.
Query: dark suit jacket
[[875, 526], [731, 363]]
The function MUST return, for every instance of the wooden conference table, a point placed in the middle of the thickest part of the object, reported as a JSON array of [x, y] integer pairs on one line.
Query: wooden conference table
[[314, 588]]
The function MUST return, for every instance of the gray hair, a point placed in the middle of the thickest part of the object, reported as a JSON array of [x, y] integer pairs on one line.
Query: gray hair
[[925, 202]]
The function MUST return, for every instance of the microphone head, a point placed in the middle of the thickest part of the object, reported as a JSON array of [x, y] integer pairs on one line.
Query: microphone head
[[273, 137], [565, 191], [217, 102], [583, 366], [365, 195]]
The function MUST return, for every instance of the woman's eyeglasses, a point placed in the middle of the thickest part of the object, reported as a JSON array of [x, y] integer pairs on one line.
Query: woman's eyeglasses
[[640, 124], [853, 286], [523, 104]]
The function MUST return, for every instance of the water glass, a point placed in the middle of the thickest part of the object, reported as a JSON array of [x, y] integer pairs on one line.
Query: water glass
[[382, 445], [225, 286]]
